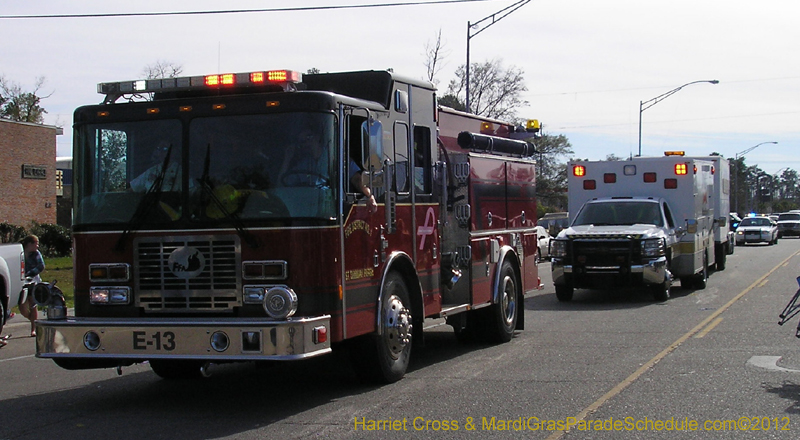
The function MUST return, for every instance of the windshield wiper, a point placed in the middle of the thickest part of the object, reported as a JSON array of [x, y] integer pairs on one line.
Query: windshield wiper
[[208, 190], [149, 200]]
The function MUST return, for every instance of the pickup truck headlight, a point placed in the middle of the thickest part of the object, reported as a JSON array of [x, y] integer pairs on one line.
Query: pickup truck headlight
[[558, 248], [653, 247]]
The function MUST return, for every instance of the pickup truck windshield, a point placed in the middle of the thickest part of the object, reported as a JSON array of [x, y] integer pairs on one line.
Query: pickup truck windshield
[[619, 214]]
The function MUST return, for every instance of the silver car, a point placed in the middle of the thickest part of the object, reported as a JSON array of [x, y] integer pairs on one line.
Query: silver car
[[757, 230]]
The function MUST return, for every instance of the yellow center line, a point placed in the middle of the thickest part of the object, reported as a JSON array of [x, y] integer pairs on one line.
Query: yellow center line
[[709, 328], [649, 364], [763, 284]]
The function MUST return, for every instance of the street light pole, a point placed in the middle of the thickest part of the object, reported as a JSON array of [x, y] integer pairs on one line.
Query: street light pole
[[494, 17], [736, 170], [644, 105]]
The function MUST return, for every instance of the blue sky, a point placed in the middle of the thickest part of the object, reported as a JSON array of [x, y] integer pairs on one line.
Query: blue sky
[[587, 63]]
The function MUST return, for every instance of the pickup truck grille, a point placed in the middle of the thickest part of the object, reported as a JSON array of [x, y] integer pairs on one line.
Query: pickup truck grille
[[605, 254], [212, 286]]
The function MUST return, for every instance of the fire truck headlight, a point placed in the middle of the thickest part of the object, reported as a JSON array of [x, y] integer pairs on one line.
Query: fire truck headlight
[[254, 294], [280, 302], [653, 248], [110, 295], [558, 248]]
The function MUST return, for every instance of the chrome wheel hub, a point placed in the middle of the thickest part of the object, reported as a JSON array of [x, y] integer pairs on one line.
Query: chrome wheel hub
[[396, 326]]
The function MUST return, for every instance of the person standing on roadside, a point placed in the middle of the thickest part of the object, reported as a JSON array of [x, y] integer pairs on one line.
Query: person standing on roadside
[[34, 265]]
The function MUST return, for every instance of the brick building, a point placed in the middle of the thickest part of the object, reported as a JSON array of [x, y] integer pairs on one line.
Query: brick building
[[27, 173]]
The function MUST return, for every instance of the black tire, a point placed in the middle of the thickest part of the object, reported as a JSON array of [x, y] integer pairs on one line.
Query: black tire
[[505, 313], [2, 316], [661, 291], [385, 357], [686, 282], [564, 293], [700, 280], [722, 258], [170, 369]]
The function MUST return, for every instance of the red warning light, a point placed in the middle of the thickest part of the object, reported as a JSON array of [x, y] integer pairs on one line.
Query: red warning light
[[212, 80], [227, 79], [680, 169], [579, 171]]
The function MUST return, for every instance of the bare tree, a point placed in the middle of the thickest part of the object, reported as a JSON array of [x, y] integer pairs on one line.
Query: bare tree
[[494, 91], [162, 69], [19, 105], [434, 56]]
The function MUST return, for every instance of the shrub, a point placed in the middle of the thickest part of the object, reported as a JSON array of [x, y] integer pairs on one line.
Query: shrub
[[54, 240], [11, 233]]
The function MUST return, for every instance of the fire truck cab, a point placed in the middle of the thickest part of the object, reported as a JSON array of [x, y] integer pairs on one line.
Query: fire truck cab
[[272, 216]]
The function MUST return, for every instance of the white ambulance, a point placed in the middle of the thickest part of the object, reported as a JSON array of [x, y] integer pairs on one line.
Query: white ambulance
[[636, 222]]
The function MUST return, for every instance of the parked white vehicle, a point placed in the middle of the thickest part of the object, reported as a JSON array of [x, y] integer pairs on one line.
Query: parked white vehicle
[[12, 277], [543, 243]]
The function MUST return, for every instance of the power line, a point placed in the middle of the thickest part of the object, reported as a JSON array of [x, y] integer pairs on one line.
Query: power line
[[241, 11]]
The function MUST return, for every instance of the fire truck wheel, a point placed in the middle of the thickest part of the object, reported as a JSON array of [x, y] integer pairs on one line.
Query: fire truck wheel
[[384, 358], [179, 369], [505, 311], [564, 293]]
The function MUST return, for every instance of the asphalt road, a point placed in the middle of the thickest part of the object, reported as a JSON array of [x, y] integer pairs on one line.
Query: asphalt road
[[709, 363]]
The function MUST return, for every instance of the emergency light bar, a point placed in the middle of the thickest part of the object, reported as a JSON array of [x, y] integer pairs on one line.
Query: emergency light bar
[[284, 78]]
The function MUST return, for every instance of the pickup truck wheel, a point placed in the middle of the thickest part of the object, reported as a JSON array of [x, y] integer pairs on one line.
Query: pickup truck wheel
[[661, 291], [504, 313], [179, 369], [564, 293]]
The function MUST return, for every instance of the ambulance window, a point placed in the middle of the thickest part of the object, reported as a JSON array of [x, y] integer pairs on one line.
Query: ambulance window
[[422, 159], [668, 215], [401, 154]]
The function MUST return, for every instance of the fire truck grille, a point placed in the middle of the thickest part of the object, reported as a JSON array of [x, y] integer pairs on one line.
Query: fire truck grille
[[175, 274], [606, 253]]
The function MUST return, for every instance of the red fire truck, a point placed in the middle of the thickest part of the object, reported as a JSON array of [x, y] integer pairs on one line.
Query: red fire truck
[[227, 218]]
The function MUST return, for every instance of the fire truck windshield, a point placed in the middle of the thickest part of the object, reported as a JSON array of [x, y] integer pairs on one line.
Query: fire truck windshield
[[207, 170]]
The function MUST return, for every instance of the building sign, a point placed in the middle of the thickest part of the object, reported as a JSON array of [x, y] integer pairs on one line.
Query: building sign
[[34, 171]]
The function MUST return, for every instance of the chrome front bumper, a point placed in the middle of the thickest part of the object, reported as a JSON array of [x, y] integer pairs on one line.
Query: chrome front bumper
[[159, 338], [653, 272]]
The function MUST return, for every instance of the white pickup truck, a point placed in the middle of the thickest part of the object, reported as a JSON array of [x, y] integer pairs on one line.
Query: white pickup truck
[[12, 277]]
